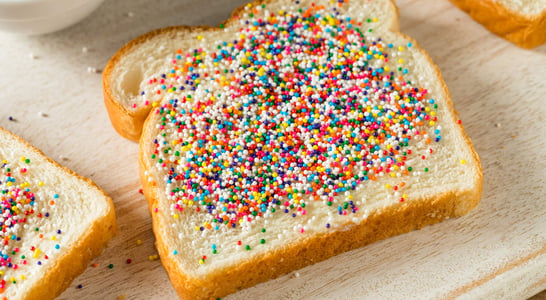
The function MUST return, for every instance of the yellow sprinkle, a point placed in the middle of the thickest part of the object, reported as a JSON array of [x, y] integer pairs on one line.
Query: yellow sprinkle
[[175, 216], [36, 253], [23, 158], [139, 242], [40, 183], [387, 186], [201, 261], [199, 37], [463, 161], [22, 277], [53, 238]]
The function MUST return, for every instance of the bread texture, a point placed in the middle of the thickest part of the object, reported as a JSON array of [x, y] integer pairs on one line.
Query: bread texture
[[67, 221], [518, 21], [226, 215]]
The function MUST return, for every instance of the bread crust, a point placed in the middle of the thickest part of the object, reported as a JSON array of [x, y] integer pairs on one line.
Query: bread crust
[[76, 259], [523, 30], [393, 220], [129, 122]]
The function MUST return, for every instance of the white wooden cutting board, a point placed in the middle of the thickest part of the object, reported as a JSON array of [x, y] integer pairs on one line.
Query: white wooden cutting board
[[497, 251]]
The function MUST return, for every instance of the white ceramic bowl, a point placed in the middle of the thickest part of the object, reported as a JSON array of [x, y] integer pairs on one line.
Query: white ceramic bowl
[[43, 16]]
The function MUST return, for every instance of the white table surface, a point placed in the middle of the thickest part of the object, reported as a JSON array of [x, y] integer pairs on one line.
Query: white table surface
[[496, 251]]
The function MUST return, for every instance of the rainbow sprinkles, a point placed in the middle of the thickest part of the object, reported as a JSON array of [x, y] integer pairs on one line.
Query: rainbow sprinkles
[[301, 108], [22, 219]]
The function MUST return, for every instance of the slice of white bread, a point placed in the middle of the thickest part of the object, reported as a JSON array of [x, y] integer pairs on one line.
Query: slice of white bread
[[522, 22], [53, 222], [236, 201]]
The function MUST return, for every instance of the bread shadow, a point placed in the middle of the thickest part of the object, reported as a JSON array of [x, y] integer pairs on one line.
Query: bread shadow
[[540, 49]]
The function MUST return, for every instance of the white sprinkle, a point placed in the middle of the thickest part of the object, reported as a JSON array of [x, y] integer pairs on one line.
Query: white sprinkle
[[130, 14], [93, 70], [84, 50]]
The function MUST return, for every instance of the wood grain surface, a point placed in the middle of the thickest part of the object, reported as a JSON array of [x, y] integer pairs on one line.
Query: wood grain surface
[[48, 84]]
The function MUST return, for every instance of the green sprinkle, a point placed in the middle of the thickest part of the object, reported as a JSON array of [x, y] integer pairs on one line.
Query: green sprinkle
[[247, 247], [262, 241], [111, 266]]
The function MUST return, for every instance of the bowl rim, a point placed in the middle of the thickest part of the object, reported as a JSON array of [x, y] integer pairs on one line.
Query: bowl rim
[[20, 10]]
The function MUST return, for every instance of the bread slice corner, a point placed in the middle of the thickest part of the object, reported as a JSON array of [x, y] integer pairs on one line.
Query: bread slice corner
[[62, 221], [520, 22]]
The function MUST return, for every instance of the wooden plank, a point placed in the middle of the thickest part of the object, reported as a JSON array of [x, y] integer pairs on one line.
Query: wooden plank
[[498, 250]]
